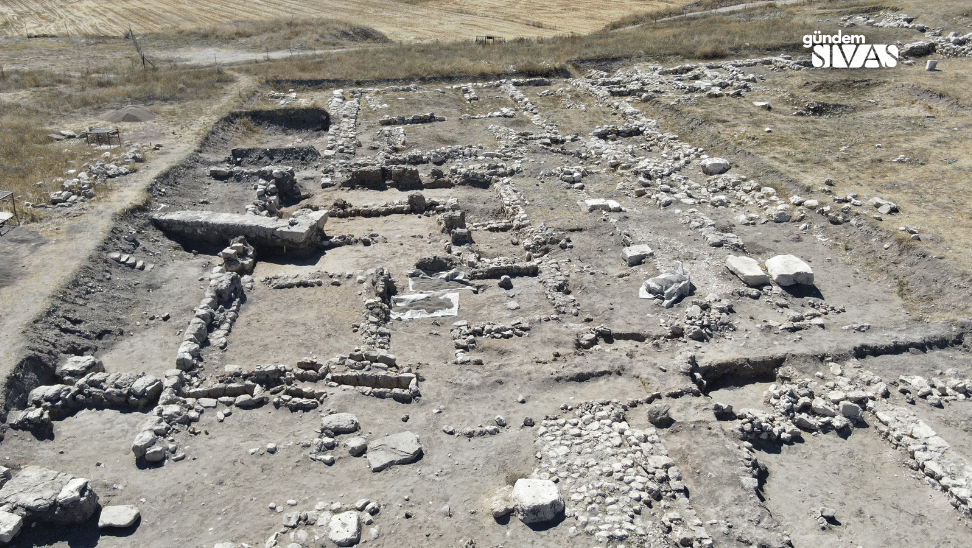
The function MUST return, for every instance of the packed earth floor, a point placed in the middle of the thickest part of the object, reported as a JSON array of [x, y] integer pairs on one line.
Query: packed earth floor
[[506, 313]]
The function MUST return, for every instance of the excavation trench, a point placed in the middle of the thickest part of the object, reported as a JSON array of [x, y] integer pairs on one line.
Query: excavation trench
[[83, 321]]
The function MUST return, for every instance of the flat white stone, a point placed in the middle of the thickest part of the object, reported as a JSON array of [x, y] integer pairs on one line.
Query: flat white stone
[[118, 516], [601, 204], [787, 270], [10, 525], [715, 166], [748, 270], [345, 529], [636, 254]]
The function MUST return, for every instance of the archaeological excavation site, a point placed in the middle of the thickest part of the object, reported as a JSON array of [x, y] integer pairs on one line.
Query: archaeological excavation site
[[558, 311]]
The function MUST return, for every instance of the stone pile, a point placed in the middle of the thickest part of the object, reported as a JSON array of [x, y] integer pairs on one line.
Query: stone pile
[[343, 134], [935, 391], [408, 120], [306, 279], [711, 234], [524, 103], [587, 339], [94, 390], [812, 407], [611, 475], [130, 261], [711, 80], [944, 468], [276, 182], [67, 198], [283, 98], [481, 175], [378, 311], [571, 175], [220, 308], [468, 92], [415, 203], [173, 412], [374, 102], [497, 267], [504, 112], [612, 132], [340, 523], [556, 288], [376, 372], [704, 318], [390, 139], [759, 425], [464, 336], [674, 188], [951, 45], [80, 187], [239, 257]]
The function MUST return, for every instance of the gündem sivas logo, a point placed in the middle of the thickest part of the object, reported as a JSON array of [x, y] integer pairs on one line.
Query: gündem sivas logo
[[848, 51]]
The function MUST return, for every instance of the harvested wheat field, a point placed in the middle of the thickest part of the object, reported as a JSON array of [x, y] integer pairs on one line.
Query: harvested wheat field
[[400, 20]]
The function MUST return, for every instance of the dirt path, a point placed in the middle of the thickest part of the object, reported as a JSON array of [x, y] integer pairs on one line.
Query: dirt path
[[726, 9]]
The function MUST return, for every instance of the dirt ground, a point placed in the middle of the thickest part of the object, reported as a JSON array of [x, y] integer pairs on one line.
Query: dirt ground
[[889, 310]]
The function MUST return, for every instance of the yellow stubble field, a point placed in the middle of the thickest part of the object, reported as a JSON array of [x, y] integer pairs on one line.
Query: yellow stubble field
[[407, 20]]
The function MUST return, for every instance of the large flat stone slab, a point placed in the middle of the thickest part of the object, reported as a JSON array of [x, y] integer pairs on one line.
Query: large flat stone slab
[[748, 270], [401, 448], [39, 494], [788, 270], [296, 236]]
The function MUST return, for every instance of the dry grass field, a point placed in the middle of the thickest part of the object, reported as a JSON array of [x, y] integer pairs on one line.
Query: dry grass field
[[883, 116], [400, 20]]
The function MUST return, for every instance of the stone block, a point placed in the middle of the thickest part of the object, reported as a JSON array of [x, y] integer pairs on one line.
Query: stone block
[[537, 501], [787, 270], [401, 448], [748, 270], [636, 254]]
